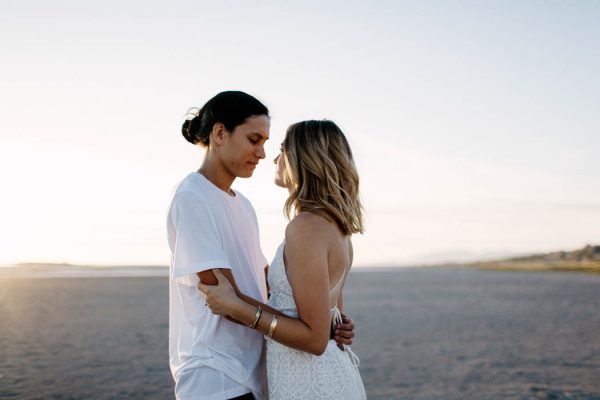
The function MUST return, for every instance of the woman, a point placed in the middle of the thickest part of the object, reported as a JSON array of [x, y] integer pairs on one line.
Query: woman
[[309, 270]]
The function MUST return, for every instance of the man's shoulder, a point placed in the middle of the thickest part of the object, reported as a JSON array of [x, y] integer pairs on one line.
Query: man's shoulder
[[190, 183], [188, 195], [190, 188]]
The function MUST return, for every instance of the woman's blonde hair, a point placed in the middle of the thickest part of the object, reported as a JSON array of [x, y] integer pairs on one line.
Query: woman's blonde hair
[[322, 174]]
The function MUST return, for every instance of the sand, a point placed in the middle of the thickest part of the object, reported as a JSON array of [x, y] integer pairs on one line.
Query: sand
[[421, 334]]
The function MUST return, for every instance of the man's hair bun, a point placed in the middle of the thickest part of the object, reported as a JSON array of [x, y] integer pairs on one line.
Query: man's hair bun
[[191, 129]]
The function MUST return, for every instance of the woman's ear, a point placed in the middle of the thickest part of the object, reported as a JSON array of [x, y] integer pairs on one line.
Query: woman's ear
[[217, 136]]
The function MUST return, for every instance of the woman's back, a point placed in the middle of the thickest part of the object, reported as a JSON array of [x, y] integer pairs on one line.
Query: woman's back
[[338, 260], [338, 251], [295, 374]]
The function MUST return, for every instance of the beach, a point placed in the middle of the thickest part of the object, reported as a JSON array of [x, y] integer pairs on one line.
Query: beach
[[422, 333]]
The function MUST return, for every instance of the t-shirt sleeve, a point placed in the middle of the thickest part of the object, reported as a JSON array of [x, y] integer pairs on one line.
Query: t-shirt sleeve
[[198, 245]]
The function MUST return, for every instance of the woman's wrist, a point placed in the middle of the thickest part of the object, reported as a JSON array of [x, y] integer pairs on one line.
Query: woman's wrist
[[243, 311]]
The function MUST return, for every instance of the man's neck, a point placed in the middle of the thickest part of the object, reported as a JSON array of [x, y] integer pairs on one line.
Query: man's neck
[[217, 175]]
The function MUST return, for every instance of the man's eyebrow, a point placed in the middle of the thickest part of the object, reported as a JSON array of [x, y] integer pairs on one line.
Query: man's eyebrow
[[260, 135]]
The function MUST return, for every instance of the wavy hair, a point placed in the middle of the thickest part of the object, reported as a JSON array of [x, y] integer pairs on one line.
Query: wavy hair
[[322, 174]]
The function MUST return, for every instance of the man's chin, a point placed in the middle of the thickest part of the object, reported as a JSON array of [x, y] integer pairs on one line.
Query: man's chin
[[245, 174]]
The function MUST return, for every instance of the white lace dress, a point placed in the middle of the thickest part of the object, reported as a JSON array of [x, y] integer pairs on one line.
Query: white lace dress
[[294, 374]]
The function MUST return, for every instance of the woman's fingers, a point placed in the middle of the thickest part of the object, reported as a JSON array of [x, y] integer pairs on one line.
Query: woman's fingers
[[203, 288], [213, 295], [218, 274]]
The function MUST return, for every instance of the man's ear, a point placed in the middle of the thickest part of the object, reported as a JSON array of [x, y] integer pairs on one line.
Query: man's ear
[[217, 136]]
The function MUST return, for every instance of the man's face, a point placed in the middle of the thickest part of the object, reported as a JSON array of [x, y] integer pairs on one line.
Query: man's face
[[244, 148]]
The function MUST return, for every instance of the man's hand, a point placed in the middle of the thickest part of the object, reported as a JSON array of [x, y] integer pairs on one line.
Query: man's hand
[[344, 332]]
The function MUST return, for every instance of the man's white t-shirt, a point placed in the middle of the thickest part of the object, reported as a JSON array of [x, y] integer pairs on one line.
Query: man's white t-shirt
[[211, 357]]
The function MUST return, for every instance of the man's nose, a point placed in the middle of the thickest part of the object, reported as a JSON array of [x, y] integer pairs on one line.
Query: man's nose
[[260, 153]]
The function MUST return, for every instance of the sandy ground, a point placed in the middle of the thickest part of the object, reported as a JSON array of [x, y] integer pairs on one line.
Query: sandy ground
[[422, 334]]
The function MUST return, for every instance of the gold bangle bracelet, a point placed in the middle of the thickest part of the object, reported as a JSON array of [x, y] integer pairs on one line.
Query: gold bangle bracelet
[[273, 326], [256, 317]]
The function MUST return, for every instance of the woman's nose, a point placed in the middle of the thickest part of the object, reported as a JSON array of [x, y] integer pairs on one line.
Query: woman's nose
[[276, 158]]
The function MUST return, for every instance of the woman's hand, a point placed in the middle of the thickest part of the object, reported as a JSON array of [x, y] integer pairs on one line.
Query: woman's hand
[[220, 298]]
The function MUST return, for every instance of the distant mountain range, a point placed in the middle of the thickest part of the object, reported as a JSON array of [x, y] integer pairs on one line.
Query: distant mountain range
[[586, 259]]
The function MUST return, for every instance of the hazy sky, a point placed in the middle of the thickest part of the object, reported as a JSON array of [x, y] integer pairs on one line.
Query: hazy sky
[[475, 124]]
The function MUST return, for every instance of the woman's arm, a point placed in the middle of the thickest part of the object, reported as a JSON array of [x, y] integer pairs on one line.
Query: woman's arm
[[208, 277], [342, 334], [306, 259]]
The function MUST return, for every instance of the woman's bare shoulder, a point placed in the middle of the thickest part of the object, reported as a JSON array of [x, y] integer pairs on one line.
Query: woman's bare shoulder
[[308, 227]]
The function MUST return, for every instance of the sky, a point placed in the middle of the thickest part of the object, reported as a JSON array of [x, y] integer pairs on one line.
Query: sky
[[474, 124]]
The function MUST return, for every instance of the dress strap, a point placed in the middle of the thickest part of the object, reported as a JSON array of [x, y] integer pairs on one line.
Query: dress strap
[[340, 281]]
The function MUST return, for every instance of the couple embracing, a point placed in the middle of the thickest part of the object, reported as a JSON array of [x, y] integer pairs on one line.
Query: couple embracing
[[226, 302]]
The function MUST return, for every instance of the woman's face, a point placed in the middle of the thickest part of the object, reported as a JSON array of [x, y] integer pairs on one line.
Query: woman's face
[[245, 147], [280, 173]]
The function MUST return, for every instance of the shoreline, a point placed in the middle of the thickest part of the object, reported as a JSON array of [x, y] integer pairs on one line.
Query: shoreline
[[587, 267], [75, 272]]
